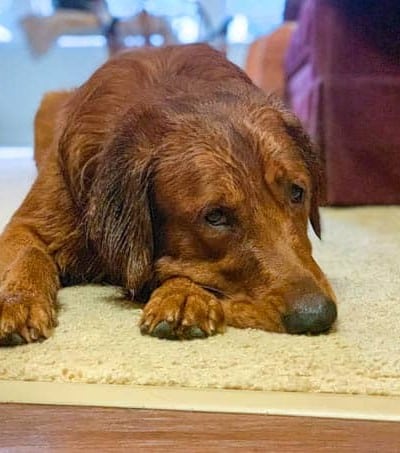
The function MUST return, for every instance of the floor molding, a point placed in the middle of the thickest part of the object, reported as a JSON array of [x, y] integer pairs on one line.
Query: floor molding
[[360, 407]]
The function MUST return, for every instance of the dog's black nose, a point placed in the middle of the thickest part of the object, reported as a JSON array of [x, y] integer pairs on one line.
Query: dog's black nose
[[310, 314]]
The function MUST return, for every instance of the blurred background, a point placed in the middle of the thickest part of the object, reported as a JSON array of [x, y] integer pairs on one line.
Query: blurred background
[[335, 63], [49, 44]]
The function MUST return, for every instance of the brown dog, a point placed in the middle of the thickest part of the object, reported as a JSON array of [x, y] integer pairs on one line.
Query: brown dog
[[170, 174]]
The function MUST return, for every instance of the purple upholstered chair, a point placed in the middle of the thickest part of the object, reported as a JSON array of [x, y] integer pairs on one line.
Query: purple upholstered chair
[[343, 81]]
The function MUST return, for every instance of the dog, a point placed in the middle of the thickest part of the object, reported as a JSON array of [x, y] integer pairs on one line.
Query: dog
[[170, 174]]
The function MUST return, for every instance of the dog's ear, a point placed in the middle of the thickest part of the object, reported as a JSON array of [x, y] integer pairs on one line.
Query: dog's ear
[[313, 159], [119, 215], [314, 213]]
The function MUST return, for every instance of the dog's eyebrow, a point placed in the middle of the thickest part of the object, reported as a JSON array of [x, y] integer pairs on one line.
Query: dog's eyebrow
[[273, 149], [245, 148], [282, 149]]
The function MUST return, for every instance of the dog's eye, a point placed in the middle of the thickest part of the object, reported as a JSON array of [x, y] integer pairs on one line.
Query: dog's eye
[[216, 217], [296, 194]]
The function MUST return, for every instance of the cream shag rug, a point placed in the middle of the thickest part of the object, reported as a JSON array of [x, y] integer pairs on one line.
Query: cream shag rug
[[98, 340]]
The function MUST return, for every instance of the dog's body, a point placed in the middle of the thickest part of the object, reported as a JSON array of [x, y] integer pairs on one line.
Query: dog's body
[[170, 174]]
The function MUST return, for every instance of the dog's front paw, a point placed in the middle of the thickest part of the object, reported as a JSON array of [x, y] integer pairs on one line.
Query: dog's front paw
[[180, 309], [24, 318]]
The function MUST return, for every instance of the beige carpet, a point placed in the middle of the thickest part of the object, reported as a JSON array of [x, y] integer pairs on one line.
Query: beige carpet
[[98, 339]]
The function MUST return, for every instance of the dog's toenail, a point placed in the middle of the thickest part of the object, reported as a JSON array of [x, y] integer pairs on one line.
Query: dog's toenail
[[196, 332], [34, 334], [13, 339], [164, 330]]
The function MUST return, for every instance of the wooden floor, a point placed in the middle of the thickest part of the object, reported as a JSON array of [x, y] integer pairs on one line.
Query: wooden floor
[[31, 428]]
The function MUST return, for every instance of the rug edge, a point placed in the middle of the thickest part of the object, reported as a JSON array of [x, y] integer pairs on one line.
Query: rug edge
[[325, 405]]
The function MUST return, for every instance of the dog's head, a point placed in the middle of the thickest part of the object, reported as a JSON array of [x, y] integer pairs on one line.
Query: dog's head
[[220, 192]]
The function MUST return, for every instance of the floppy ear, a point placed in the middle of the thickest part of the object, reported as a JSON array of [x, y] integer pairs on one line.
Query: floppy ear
[[316, 167], [314, 215], [313, 159], [119, 215]]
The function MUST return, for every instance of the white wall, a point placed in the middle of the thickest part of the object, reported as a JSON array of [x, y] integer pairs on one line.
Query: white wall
[[23, 80]]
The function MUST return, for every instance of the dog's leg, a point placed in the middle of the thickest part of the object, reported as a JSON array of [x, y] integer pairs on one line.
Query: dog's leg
[[29, 277], [28, 285], [181, 309]]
